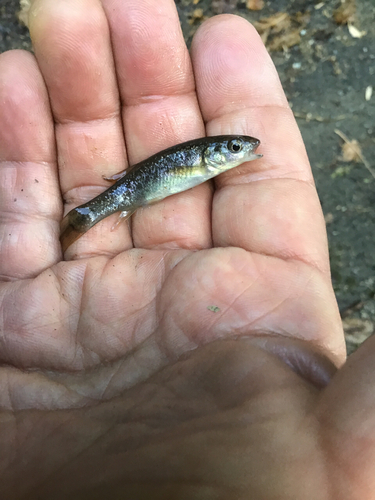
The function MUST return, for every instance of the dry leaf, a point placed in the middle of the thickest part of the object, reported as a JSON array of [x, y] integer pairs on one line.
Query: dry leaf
[[255, 4], [286, 27], [285, 41], [195, 2], [23, 14], [355, 32], [196, 15], [357, 330], [278, 22], [351, 151], [345, 12]]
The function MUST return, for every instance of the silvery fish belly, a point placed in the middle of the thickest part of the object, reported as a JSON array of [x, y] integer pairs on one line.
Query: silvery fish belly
[[171, 171]]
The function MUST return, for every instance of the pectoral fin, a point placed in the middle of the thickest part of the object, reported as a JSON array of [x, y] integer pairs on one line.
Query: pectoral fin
[[115, 177], [118, 175]]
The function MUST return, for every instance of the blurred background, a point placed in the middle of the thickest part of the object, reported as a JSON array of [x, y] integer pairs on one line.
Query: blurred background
[[325, 54]]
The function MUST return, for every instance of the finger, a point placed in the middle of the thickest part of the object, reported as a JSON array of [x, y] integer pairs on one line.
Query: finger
[[160, 109], [30, 201], [78, 68], [346, 414], [268, 206]]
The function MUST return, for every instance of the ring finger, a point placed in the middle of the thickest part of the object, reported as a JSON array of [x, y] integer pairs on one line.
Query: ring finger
[[72, 45]]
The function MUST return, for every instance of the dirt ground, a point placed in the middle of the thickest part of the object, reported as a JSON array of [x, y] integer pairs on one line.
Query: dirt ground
[[325, 54]]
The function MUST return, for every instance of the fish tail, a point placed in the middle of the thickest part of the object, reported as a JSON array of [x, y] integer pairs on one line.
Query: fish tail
[[76, 223]]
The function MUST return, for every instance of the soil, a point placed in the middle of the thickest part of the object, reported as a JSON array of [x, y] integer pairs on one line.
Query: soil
[[325, 54]]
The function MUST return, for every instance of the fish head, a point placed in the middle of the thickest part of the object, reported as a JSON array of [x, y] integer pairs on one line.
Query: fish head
[[227, 152]]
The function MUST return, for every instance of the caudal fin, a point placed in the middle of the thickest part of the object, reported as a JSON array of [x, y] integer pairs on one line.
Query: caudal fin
[[76, 223], [79, 220], [68, 234]]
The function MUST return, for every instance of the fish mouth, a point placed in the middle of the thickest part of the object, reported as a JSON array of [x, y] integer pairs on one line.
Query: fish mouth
[[256, 143], [255, 147]]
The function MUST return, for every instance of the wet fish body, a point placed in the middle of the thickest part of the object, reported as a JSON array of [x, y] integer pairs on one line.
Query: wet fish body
[[168, 172]]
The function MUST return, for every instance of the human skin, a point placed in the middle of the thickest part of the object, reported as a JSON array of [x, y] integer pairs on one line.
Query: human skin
[[117, 378]]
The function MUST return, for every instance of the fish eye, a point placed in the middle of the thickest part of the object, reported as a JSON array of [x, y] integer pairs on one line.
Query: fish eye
[[235, 145]]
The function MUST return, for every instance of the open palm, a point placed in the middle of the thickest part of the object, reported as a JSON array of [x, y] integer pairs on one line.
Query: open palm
[[243, 258]]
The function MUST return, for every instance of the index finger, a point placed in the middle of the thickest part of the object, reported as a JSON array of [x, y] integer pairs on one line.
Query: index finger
[[269, 206]]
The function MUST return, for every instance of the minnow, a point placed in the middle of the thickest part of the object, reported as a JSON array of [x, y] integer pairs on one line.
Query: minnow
[[168, 172]]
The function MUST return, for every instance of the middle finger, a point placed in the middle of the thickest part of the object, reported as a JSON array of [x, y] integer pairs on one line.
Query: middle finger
[[160, 109], [73, 48]]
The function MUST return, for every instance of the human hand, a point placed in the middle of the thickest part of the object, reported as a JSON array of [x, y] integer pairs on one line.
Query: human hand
[[115, 357]]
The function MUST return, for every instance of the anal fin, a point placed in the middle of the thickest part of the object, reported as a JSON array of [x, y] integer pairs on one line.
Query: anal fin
[[122, 217]]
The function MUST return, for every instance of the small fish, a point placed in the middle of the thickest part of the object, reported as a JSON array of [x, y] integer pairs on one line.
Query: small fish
[[171, 171]]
